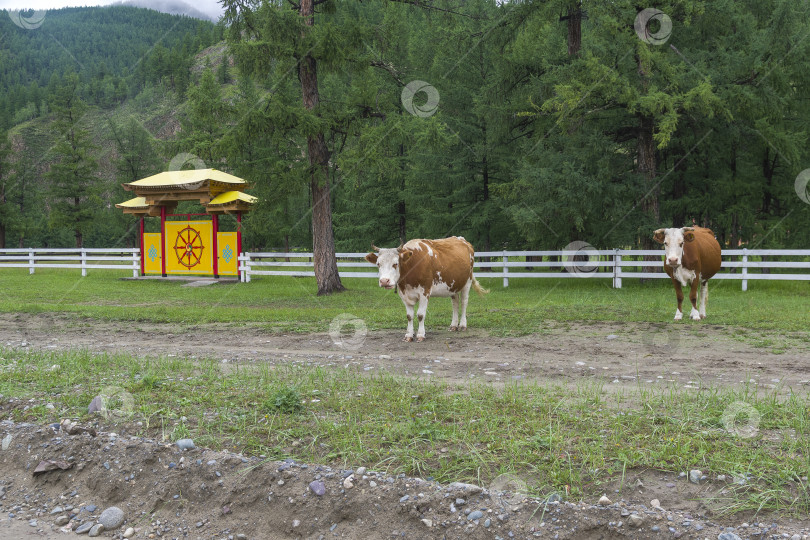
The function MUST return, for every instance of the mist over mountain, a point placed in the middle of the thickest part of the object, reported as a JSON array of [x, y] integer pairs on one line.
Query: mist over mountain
[[173, 7]]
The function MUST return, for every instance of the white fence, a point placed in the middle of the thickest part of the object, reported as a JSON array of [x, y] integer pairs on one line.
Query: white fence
[[616, 264], [83, 259]]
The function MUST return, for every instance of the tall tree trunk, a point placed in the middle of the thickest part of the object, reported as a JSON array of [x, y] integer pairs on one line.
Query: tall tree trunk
[[77, 230], [2, 225], [574, 29], [401, 207], [323, 237], [647, 168]]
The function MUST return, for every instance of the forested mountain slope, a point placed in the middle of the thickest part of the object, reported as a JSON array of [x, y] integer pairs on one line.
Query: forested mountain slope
[[498, 121]]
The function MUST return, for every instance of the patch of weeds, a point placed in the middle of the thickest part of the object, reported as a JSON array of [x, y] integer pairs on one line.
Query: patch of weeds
[[285, 400], [180, 431]]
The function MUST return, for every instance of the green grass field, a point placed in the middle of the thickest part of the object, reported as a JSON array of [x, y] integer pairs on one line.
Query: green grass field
[[290, 304], [554, 438], [569, 440]]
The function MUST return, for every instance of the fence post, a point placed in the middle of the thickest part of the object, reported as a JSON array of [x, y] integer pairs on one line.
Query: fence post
[[505, 269], [84, 263], [745, 269], [31, 261], [247, 268], [136, 264], [617, 270]]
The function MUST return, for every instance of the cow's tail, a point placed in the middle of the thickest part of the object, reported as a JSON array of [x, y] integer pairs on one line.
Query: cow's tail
[[478, 288]]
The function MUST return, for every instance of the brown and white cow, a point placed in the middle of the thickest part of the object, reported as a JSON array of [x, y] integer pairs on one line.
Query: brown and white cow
[[692, 256], [421, 268]]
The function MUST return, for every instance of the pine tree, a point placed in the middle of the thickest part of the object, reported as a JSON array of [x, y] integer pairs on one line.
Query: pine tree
[[73, 181]]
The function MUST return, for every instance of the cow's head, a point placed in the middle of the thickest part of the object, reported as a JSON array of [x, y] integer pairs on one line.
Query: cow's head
[[389, 261], [673, 240]]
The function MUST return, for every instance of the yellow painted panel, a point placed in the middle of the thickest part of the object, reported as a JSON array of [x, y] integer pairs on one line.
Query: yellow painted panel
[[151, 256], [189, 247], [226, 243]]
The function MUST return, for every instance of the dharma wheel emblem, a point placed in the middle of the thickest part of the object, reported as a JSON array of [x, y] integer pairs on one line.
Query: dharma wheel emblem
[[188, 247]]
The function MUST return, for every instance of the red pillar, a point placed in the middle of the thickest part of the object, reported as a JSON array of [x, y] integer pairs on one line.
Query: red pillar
[[238, 235], [215, 223], [163, 240], [143, 255]]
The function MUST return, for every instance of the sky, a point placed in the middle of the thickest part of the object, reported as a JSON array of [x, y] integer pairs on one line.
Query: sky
[[212, 8]]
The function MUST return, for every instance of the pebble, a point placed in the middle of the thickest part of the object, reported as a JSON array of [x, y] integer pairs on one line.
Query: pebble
[[296, 523], [404, 498], [604, 501], [478, 514], [318, 488], [361, 471], [111, 518], [728, 536], [96, 530], [487, 523], [347, 483], [84, 527], [185, 444], [694, 476], [635, 520], [655, 503], [428, 522], [372, 484], [6, 441], [129, 532]]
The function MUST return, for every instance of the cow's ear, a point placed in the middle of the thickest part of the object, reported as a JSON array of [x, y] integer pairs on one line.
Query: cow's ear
[[689, 236], [405, 255], [658, 236], [372, 258]]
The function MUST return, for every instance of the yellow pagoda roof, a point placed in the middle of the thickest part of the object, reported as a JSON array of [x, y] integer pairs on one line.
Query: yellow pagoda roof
[[137, 202], [170, 179], [232, 196]]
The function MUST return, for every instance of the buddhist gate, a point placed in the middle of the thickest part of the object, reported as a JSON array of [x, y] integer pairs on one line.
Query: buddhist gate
[[189, 246]]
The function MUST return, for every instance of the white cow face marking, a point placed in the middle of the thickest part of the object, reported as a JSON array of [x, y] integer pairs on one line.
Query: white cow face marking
[[388, 262], [673, 240]]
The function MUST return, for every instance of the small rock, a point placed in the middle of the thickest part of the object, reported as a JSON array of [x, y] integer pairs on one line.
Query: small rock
[[655, 503], [111, 518], [347, 483], [6, 442], [129, 532], [404, 498], [361, 471], [478, 514], [317, 488], [471, 488], [96, 530], [694, 476], [61, 520], [604, 501], [428, 522], [96, 405], [635, 520], [487, 523], [185, 444], [372, 484], [728, 536], [84, 527], [296, 523]]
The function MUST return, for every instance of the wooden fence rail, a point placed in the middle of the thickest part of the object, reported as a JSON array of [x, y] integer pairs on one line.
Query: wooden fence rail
[[613, 264], [83, 259]]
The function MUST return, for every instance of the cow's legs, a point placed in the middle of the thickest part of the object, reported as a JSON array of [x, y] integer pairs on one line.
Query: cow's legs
[[679, 296], [409, 310], [420, 315], [465, 297], [694, 314], [454, 322], [704, 296]]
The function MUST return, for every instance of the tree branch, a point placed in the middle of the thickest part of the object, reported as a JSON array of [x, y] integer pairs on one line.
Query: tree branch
[[426, 5]]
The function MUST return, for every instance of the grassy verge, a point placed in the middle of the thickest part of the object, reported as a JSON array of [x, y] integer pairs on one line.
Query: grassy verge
[[553, 438], [289, 304]]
